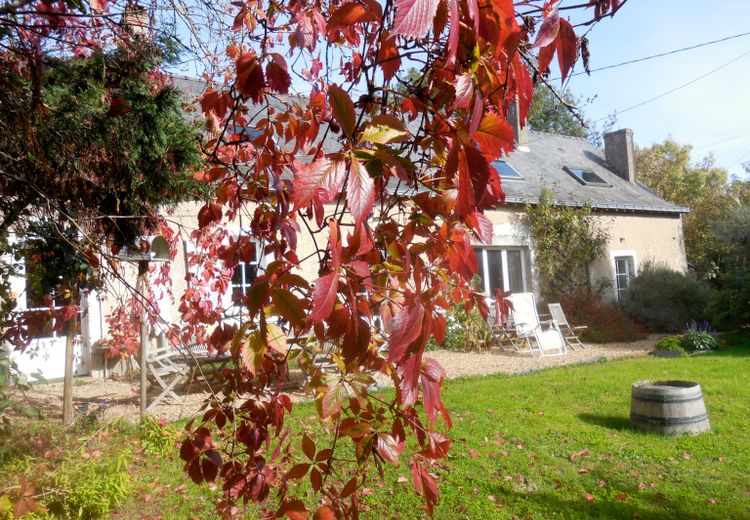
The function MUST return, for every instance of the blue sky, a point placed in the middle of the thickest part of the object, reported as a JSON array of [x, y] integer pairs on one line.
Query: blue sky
[[713, 109]]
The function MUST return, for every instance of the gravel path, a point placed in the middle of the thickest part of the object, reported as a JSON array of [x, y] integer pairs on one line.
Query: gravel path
[[120, 398]]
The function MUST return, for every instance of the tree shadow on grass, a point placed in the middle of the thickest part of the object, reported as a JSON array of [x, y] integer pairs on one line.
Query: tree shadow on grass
[[611, 422]]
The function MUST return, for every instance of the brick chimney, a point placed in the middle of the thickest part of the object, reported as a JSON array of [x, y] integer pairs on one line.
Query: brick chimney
[[521, 132], [620, 153], [135, 20]]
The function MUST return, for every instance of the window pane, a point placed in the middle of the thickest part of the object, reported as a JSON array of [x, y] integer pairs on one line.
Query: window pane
[[495, 270], [480, 267], [624, 272], [506, 171], [515, 271], [251, 271]]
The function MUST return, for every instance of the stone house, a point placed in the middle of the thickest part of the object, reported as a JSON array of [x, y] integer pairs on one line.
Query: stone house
[[642, 227]]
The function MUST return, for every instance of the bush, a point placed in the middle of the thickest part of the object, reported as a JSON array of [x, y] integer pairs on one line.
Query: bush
[[91, 488], [730, 307], [671, 344], [607, 323], [464, 331], [664, 300], [694, 341]]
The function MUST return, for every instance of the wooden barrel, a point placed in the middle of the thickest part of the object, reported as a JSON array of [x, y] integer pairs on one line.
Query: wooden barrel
[[668, 407]]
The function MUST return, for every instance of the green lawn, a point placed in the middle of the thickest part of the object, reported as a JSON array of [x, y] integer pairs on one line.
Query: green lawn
[[552, 444]]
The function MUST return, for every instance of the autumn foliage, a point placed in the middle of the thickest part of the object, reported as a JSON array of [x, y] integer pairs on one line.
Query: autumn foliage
[[388, 177]]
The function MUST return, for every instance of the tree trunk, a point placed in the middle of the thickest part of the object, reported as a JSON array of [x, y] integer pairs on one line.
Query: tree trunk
[[140, 285], [70, 333]]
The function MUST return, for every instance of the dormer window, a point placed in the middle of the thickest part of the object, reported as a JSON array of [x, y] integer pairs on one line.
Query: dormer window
[[586, 177], [506, 171]]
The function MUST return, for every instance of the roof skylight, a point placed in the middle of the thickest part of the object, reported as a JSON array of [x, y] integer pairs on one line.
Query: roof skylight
[[586, 177], [506, 171]]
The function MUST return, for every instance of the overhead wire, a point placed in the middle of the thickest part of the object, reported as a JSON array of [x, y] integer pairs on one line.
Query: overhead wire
[[638, 105], [661, 54]]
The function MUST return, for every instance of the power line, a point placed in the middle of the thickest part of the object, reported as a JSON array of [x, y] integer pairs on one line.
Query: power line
[[721, 141], [662, 54], [637, 105]]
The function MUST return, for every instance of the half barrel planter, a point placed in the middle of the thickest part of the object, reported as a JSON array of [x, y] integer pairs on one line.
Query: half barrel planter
[[668, 407]]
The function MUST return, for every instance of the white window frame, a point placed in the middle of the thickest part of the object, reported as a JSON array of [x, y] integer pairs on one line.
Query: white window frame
[[622, 253], [259, 262], [504, 257]]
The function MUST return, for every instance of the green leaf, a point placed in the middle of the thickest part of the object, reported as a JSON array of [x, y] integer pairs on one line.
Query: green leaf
[[385, 129], [343, 109]]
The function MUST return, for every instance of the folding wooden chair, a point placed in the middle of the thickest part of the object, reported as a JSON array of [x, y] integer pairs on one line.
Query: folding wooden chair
[[570, 332]]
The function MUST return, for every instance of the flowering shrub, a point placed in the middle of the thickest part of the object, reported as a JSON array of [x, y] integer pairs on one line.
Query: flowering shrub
[[607, 322]]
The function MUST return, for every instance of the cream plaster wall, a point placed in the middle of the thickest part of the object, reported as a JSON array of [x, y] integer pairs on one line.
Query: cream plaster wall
[[656, 239]]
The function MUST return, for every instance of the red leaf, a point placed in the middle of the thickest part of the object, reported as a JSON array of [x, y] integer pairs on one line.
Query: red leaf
[[589, 497], [316, 480], [349, 14], [332, 399], [439, 327], [324, 297], [388, 56], [464, 86], [453, 34], [360, 192], [355, 430], [425, 485], [473, 454], [324, 513], [405, 328], [293, 509], [414, 17], [297, 472], [208, 214], [388, 447], [320, 177], [249, 76], [343, 109], [545, 58], [548, 31], [308, 447], [567, 48], [277, 74], [621, 497], [98, 5], [494, 136]]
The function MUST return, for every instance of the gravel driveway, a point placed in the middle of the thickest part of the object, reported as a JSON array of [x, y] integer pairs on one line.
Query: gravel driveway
[[120, 398]]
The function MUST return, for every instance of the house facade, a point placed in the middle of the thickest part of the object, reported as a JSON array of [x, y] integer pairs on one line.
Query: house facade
[[642, 227]]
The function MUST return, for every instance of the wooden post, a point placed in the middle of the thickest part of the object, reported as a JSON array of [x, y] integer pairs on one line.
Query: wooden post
[[70, 334], [140, 286]]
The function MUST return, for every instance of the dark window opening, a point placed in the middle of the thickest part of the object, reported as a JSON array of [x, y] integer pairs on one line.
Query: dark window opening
[[586, 177]]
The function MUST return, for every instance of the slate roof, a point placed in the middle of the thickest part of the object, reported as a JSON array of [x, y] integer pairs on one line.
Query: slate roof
[[542, 167]]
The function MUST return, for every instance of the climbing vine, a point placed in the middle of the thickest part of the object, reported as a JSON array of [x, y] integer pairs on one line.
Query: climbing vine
[[566, 240]]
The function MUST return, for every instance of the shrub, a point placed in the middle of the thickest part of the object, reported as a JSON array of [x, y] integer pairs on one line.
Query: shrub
[[693, 341], [730, 307], [91, 486], [464, 331], [156, 437], [664, 300], [671, 344], [607, 322]]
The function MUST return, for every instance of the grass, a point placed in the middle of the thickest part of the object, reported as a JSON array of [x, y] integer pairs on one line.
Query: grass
[[551, 444]]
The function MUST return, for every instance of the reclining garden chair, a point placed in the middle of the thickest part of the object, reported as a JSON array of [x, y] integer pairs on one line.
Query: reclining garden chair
[[550, 342], [570, 332]]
